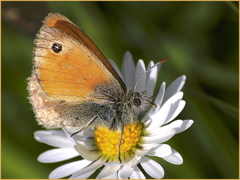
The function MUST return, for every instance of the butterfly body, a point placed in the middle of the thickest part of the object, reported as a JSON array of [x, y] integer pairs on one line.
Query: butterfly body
[[113, 113]]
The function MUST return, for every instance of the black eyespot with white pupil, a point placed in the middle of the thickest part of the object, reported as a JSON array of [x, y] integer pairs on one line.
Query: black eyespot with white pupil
[[56, 47], [137, 102]]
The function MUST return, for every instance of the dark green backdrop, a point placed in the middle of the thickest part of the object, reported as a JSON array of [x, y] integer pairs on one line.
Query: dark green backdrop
[[201, 40]]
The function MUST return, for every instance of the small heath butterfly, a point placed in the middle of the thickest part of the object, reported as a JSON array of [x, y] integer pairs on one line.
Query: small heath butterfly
[[73, 84]]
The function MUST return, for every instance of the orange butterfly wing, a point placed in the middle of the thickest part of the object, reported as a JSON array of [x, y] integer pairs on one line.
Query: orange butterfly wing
[[75, 71]]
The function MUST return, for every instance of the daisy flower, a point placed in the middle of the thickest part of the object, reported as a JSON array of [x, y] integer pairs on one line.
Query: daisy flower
[[98, 149]]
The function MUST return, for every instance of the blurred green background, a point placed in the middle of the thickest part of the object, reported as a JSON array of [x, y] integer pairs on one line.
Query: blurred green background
[[200, 38]]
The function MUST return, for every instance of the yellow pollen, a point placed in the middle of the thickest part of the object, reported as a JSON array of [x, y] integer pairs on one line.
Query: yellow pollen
[[108, 140]]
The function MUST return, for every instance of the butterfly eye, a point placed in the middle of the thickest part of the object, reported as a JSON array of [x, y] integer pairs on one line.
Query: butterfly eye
[[56, 47], [137, 102]]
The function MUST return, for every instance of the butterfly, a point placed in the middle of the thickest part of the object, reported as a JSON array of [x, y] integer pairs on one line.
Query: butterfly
[[73, 84]]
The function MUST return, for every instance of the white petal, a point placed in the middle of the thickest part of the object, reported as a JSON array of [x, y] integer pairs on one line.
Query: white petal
[[107, 171], [126, 157], [146, 145], [159, 98], [176, 108], [151, 78], [85, 141], [174, 125], [150, 64], [174, 98], [56, 155], [174, 158], [128, 70], [87, 144], [135, 160], [162, 136], [160, 117], [112, 164], [174, 87], [140, 69], [186, 124], [137, 174], [115, 67], [142, 151], [49, 133], [57, 141], [152, 168], [93, 167], [112, 176], [126, 171], [83, 176], [68, 169], [87, 152], [39, 134], [132, 156], [161, 150], [158, 102], [70, 138], [146, 123]]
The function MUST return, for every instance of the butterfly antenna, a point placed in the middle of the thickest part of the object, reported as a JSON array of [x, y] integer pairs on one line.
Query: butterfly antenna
[[165, 59]]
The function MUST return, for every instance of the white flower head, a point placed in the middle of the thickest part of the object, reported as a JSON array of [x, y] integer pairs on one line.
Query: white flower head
[[142, 140]]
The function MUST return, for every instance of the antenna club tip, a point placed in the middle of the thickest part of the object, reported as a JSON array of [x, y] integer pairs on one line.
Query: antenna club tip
[[165, 59]]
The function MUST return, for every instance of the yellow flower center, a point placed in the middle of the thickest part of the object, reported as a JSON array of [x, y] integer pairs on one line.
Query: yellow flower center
[[108, 140]]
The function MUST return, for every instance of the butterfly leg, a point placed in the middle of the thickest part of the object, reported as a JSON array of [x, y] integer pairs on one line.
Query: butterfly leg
[[89, 122], [120, 142]]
